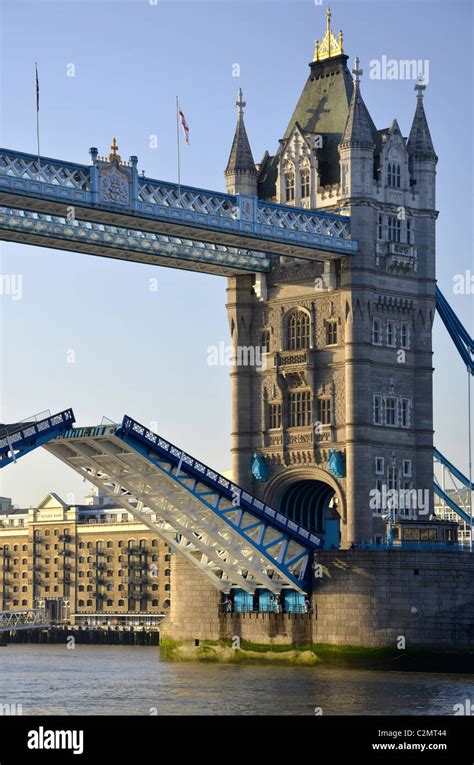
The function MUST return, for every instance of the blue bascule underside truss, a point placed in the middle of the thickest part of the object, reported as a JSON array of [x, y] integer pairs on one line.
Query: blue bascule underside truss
[[236, 540], [459, 489], [457, 332], [18, 439]]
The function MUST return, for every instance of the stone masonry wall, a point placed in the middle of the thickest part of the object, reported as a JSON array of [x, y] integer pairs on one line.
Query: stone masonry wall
[[363, 598]]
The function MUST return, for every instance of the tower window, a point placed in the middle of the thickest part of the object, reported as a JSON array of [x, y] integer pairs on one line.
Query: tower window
[[324, 411], [393, 480], [379, 466], [305, 183], [394, 229], [391, 411], [380, 226], [300, 409], [331, 333], [377, 332], [274, 416], [394, 174], [405, 336], [265, 341], [405, 412], [407, 468], [290, 186], [391, 334], [409, 231], [378, 410], [298, 331]]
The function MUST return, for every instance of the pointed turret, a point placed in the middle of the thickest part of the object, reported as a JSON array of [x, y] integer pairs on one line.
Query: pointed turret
[[356, 149], [241, 173], [359, 129], [420, 146], [422, 157]]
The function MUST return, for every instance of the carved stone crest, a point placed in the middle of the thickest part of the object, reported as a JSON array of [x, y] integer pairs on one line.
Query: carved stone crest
[[114, 186]]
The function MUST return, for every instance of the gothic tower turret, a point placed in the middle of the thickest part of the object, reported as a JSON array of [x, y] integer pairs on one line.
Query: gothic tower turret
[[241, 173]]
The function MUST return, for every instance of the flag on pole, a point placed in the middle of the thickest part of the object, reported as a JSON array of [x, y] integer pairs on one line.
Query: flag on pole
[[185, 126], [37, 89]]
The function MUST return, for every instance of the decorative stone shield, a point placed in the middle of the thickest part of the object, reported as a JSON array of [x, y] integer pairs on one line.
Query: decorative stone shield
[[114, 186]]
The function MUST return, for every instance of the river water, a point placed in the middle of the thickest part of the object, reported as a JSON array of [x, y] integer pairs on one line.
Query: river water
[[130, 680]]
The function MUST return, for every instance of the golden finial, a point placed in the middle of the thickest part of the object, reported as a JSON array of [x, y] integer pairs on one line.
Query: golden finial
[[329, 46], [114, 157]]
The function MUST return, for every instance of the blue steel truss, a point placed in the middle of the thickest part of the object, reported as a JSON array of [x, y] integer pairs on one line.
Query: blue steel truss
[[218, 487], [21, 438], [455, 493], [47, 185], [458, 333]]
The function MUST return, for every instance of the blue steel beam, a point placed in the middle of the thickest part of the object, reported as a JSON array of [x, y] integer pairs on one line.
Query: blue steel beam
[[451, 503], [52, 186], [458, 333], [19, 439]]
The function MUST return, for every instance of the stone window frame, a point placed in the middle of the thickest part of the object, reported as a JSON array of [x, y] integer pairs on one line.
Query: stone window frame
[[376, 321], [407, 473], [405, 343], [380, 470], [274, 415], [299, 409], [331, 333], [290, 178], [391, 333], [394, 229], [297, 330], [325, 414], [391, 408], [394, 175]]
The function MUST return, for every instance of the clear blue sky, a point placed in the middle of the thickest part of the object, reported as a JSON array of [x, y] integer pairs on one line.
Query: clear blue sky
[[141, 352]]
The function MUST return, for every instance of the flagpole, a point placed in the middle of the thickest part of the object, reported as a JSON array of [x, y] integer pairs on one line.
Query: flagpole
[[177, 147], [37, 122]]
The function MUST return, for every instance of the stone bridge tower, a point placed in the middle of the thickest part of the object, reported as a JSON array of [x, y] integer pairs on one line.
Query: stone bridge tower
[[342, 404]]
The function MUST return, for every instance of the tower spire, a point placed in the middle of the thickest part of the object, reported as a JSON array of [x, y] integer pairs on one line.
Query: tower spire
[[241, 173], [419, 141], [358, 129], [330, 46]]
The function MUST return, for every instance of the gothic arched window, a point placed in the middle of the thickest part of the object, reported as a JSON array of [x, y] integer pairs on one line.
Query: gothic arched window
[[305, 182], [298, 331], [289, 185]]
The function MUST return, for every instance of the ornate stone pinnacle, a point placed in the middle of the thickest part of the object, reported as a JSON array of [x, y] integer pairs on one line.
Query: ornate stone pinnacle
[[240, 103], [357, 71], [420, 86]]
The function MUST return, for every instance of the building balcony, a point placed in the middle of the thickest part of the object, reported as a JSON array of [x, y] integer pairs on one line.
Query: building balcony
[[65, 538], [100, 566], [324, 434], [400, 257], [292, 358], [67, 553]]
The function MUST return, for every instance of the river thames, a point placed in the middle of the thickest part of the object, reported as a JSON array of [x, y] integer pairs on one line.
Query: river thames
[[130, 680]]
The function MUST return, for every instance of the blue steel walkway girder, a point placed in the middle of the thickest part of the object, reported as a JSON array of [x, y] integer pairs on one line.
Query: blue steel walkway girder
[[233, 538], [53, 187], [20, 438]]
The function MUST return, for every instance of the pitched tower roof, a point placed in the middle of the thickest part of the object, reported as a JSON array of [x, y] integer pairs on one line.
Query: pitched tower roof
[[359, 129], [240, 158], [419, 141]]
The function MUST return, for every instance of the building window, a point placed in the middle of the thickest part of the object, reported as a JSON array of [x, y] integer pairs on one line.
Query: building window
[[379, 466], [154, 543], [392, 478], [405, 412], [391, 411], [110, 602], [121, 603], [380, 226], [394, 174], [154, 602], [265, 341], [331, 333], [378, 410], [406, 468], [81, 603], [305, 183], [409, 231], [89, 602], [290, 186], [391, 334], [405, 336], [274, 416], [300, 409], [377, 332], [324, 411], [394, 229], [298, 331]]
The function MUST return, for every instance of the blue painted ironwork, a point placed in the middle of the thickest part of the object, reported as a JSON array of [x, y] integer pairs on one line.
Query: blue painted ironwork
[[337, 463], [458, 333], [442, 494], [131, 429], [226, 218], [21, 438], [259, 467], [88, 236]]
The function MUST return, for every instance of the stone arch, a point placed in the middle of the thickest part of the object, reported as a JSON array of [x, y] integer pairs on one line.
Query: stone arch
[[312, 498]]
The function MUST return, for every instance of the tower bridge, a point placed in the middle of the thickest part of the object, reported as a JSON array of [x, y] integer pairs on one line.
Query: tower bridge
[[329, 249]]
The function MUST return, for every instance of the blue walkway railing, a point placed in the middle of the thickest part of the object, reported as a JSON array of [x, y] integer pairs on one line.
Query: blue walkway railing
[[19, 439]]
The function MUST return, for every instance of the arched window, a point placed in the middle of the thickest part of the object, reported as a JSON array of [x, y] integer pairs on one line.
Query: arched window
[[298, 331], [289, 185], [305, 181], [121, 603], [265, 341], [154, 602]]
